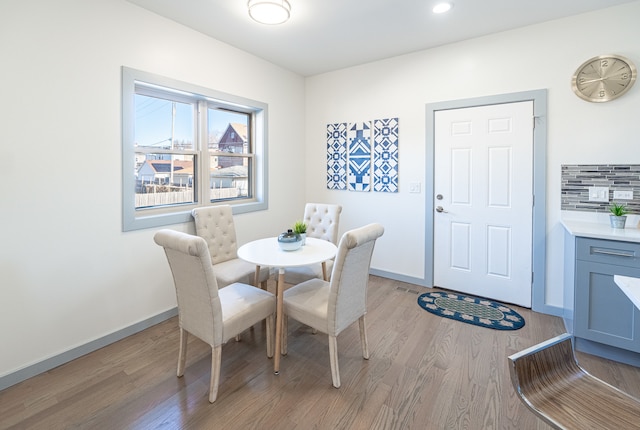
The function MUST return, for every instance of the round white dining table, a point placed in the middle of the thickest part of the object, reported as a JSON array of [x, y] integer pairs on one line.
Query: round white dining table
[[267, 252]]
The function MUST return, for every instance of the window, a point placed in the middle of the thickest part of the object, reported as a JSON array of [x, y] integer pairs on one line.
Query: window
[[185, 146]]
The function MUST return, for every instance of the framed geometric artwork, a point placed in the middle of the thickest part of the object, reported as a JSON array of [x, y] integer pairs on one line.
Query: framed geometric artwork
[[359, 156], [385, 155], [337, 156], [362, 156]]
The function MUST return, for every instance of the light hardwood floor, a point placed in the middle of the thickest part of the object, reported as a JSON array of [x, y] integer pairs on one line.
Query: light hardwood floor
[[425, 372]]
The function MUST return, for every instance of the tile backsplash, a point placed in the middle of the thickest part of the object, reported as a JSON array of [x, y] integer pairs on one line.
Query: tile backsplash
[[578, 178]]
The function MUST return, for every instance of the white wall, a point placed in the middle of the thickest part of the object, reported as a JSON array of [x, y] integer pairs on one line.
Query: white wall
[[537, 57], [69, 274]]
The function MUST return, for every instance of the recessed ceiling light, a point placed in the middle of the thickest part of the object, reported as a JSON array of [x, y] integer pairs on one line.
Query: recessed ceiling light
[[442, 7]]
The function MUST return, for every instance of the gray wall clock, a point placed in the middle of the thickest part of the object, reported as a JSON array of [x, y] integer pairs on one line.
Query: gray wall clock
[[604, 78]]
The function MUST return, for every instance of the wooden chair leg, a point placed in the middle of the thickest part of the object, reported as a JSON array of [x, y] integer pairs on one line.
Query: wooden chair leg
[[216, 358], [269, 328], [333, 358], [363, 337], [256, 279], [182, 351], [285, 332]]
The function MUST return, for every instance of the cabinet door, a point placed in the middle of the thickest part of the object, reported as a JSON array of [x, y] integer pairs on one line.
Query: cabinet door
[[603, 313]]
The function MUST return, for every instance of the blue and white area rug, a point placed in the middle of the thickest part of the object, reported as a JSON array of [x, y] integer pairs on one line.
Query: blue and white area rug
[[471, 310]]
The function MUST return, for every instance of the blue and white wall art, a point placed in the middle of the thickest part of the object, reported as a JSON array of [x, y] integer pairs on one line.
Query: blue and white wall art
[[385, 155], [359, 156], [358, 152], [337, 156]]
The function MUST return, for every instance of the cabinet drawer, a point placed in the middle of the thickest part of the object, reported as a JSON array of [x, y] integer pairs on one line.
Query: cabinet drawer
[[608, 252]]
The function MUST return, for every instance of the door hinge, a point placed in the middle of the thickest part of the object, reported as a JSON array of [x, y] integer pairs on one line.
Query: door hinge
[[534, 121]]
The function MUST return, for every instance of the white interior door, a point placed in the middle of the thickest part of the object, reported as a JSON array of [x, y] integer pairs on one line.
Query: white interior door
[[483, 197]]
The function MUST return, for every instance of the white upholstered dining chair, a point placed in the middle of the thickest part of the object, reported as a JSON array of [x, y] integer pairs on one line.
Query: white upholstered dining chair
[[323, 222], [215, 225], [332, 306], [212, 315]]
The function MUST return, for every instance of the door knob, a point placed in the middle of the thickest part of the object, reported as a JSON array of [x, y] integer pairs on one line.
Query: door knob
[[440, 209]]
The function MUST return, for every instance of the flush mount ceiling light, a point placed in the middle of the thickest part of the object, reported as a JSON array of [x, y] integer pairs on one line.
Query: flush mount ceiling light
[[269, 12], [442, 7]]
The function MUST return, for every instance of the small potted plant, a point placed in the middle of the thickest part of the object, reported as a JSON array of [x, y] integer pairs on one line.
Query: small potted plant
[[301, 228], [618, 215]]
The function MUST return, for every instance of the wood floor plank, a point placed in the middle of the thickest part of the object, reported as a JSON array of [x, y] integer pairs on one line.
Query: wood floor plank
[[425, 372]]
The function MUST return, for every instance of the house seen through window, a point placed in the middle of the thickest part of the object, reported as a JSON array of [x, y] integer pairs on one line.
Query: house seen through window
[[185, 147]]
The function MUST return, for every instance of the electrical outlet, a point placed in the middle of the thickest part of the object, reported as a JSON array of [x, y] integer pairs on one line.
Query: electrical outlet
[[623, 194], [599, 194], [414, 187]]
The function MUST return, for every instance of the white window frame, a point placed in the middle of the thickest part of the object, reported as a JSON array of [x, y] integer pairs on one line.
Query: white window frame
[[135, 219]]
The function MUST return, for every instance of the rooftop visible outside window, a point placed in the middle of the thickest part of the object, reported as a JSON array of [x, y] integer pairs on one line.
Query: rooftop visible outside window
[[230, 154], [165, 151]]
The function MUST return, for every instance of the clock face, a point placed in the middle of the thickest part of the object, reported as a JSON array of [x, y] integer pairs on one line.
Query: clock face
[[603, 78]]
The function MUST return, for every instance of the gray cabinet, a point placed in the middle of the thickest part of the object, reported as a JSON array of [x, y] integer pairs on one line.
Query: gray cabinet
[[602, 312]]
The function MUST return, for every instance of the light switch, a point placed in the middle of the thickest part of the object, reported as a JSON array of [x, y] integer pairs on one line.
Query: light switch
[[414, 187], [599, 194], [623, 194]]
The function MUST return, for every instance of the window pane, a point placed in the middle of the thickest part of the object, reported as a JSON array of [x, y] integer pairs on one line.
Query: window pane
[[176, 137], [228, 132], [160, 122], [227, 183], [164, 179]]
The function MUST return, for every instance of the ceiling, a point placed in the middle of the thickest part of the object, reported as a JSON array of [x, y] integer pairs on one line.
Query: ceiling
[[326, 35]]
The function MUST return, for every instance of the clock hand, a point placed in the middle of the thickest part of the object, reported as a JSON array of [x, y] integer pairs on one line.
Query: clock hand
[[592, 80]]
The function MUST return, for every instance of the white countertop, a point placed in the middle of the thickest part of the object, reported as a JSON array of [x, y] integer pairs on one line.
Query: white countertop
[[600, 230], [629, 286]]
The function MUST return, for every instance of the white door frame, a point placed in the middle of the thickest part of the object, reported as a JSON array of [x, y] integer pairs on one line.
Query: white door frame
[[539, 98]]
